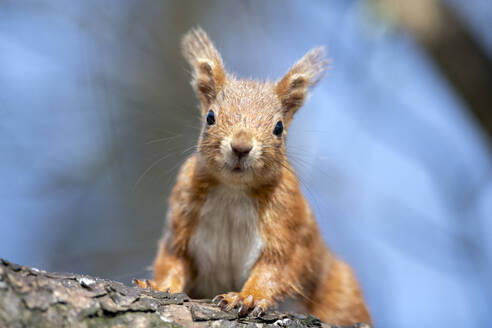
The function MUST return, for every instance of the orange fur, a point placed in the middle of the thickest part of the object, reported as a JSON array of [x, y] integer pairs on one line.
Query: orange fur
[[293, 261]]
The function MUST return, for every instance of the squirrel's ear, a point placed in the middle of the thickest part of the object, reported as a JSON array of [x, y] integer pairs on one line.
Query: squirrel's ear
[[205, 60], [293, 88]]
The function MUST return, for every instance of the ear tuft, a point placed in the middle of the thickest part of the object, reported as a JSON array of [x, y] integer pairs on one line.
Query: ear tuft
[[206, 62], [293, 88]]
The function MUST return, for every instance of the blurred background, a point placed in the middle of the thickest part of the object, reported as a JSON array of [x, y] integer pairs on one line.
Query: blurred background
[[393, 149]]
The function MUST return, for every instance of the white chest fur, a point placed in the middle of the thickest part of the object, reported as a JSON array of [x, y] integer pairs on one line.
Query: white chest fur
[[226, 242]]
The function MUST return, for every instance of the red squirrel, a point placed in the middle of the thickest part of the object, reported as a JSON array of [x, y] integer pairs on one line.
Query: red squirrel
[[238, 227]]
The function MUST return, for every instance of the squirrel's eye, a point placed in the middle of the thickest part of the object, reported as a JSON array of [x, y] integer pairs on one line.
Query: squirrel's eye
[[210, 117], [279, 127]]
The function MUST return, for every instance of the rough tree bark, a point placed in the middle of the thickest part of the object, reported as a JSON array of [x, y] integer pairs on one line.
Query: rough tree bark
[[35, 298]]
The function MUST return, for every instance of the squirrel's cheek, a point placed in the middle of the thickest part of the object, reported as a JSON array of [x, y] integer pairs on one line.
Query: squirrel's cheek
[[259, 164]]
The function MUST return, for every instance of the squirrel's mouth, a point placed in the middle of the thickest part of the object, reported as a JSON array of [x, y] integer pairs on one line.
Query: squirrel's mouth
[[237, 164], [237, 168]]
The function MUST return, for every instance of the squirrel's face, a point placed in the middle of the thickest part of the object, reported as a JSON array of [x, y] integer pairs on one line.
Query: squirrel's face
[[245, 122], [243, 133]]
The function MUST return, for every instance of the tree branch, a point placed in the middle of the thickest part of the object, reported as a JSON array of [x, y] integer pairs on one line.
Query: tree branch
[[35, 298]]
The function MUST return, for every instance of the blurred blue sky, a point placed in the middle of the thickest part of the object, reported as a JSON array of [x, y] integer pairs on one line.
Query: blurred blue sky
[[397, 170]]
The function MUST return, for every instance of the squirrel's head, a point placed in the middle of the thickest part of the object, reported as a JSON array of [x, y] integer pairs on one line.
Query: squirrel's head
[[245, 122]]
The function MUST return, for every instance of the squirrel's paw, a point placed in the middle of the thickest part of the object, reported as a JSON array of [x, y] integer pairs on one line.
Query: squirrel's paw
[[149, 284], [145, 283], [245, 304]]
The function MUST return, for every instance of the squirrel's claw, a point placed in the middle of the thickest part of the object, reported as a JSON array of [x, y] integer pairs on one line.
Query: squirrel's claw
[[150, 284], [223, 304], [258, 311], [226, 301], [142, 283], [245, 305], [146, 284], [217, 299]]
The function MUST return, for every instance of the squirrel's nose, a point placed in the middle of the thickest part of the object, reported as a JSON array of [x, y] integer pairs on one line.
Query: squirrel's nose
[[241, 150], [241, 143]]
